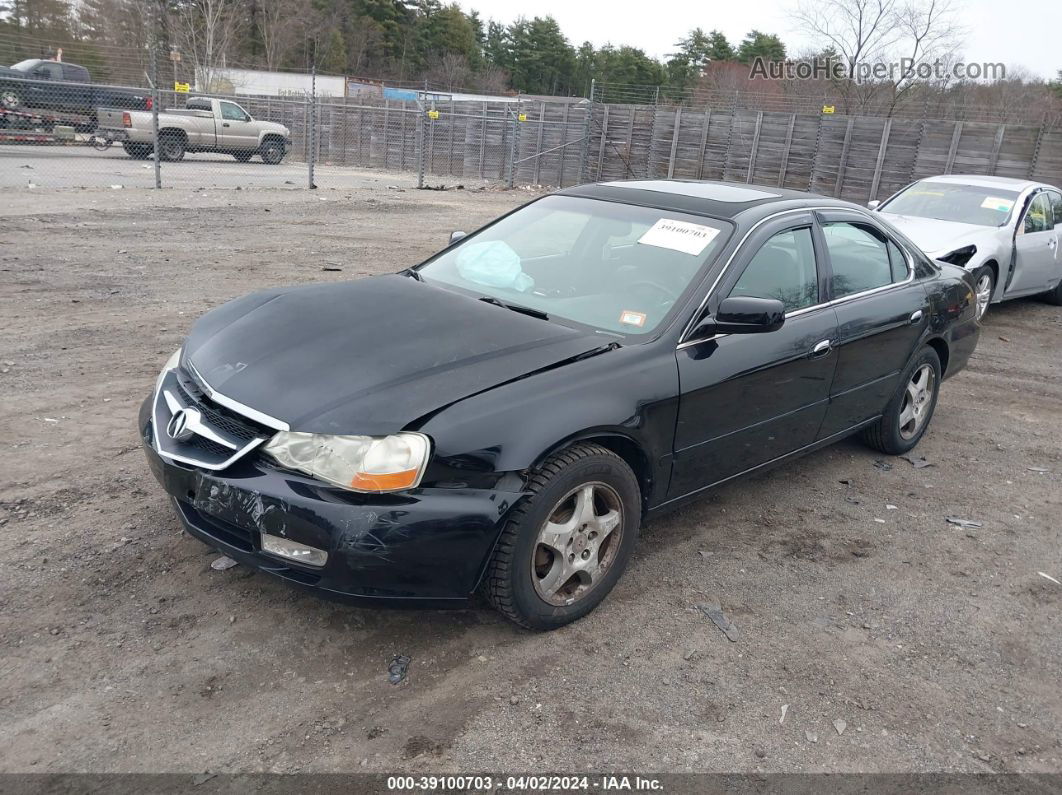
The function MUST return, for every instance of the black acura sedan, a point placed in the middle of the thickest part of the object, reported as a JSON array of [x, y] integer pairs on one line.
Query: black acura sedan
[[503, 417]]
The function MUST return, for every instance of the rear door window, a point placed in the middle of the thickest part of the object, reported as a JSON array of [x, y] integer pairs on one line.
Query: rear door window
[[74, 73], [48, 70]]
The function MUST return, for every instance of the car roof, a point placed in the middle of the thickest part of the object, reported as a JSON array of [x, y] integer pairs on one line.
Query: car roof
[[725, 200], [982, 181]]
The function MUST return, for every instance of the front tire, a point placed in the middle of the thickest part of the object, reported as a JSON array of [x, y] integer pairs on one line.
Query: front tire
[[984, 287], [907, 416], [1054, 296], [9, 99], [566, 545], [271, 151]]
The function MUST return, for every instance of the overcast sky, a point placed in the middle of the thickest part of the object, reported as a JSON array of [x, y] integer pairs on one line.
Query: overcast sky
[[1017, 34]]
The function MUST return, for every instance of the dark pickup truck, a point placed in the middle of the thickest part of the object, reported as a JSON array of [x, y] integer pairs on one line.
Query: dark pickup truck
[[63, 87]]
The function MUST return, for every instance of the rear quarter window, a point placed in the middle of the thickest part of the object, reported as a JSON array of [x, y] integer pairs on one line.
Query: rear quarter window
[[77, 74]]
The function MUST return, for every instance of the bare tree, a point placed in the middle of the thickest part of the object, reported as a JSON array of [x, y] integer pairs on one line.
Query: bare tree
[[281, 25], [450, 70], [207, 29], [862, 33]]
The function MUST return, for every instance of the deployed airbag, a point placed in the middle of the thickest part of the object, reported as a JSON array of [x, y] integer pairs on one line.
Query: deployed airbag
[[494, 264]]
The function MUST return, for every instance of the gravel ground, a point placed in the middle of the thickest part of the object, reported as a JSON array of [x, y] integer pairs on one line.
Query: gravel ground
[[937, 646]]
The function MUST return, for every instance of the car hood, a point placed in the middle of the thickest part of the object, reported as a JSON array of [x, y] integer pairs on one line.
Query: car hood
[[371, 356], [940, 237]]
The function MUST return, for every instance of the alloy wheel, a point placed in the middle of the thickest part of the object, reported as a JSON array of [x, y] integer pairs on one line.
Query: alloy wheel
[[983, 289], [9, 100], [917, 400], [577, 544]]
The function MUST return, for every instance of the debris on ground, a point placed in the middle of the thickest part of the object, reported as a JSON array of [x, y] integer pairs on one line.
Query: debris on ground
[[331, 268], [1049, 577], [890, 507], [918, 462], [223, 563], [840, 725], [884, 466], [964, 523], [811, 736], [442, 187], [785, 709], [396, 671], [715, 612], [1041, 470]]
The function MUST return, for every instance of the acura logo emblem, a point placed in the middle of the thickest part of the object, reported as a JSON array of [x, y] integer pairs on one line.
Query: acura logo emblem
[[181, 425]]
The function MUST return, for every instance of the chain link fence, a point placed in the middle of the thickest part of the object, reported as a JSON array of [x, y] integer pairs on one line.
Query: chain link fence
[[57, 129]]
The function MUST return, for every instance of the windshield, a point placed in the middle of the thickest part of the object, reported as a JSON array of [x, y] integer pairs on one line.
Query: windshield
[[25, 66], [944, 201], [613, 267]]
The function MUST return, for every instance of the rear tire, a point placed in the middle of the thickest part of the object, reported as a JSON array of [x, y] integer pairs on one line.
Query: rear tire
[[568, 542], [271, 151], [171, 147], [908, 414], [137, 151], [984, 287]]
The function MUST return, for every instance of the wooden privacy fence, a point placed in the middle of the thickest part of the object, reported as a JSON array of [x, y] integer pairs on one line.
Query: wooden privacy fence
[[561, 142], [852, 157]]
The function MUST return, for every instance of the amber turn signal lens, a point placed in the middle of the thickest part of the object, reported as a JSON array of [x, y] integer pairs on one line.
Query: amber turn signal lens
[[393, 481]]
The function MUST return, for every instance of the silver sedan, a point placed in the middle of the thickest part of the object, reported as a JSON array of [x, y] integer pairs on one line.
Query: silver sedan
[[1005, 231]]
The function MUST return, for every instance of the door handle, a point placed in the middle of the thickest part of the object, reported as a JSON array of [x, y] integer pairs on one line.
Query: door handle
[[916, 316], [225, 124], [821, 349]]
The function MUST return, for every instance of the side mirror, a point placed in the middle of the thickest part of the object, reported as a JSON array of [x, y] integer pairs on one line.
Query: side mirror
[[455, 236], [873, 204], [744, 315]]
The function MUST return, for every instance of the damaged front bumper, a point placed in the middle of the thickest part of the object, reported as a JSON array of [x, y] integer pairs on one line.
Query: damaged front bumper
[[428, 545]]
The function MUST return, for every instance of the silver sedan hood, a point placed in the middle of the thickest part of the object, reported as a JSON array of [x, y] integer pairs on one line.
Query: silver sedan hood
[[940, 237]]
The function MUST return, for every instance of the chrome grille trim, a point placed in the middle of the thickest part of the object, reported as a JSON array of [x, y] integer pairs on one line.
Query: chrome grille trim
[[208, 446]]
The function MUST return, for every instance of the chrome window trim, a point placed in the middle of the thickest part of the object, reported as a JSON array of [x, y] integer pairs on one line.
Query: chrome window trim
[[235, 405], [685, 343]]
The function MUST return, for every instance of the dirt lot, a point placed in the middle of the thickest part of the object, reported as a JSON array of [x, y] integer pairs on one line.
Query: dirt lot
[[122, 650]]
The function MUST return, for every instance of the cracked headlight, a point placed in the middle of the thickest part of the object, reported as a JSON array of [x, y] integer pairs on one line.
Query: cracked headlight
[[959, 256], [360, 463]]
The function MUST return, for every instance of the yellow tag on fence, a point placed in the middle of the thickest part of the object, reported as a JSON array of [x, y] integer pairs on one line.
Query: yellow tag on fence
[[827, 108], [433, 115], [182, 88], [522, 117]]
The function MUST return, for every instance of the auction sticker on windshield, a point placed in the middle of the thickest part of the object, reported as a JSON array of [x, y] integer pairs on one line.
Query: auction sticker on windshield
[[679, 236], [997, 203]]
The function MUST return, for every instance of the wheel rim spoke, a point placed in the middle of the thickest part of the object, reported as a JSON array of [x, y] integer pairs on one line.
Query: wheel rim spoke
[[918, 396], [577, 543]]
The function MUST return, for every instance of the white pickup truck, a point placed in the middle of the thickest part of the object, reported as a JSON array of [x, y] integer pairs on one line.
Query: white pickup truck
[[203, 125]]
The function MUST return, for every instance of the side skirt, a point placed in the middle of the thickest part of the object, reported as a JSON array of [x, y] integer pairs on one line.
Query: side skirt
[[676, 502]]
